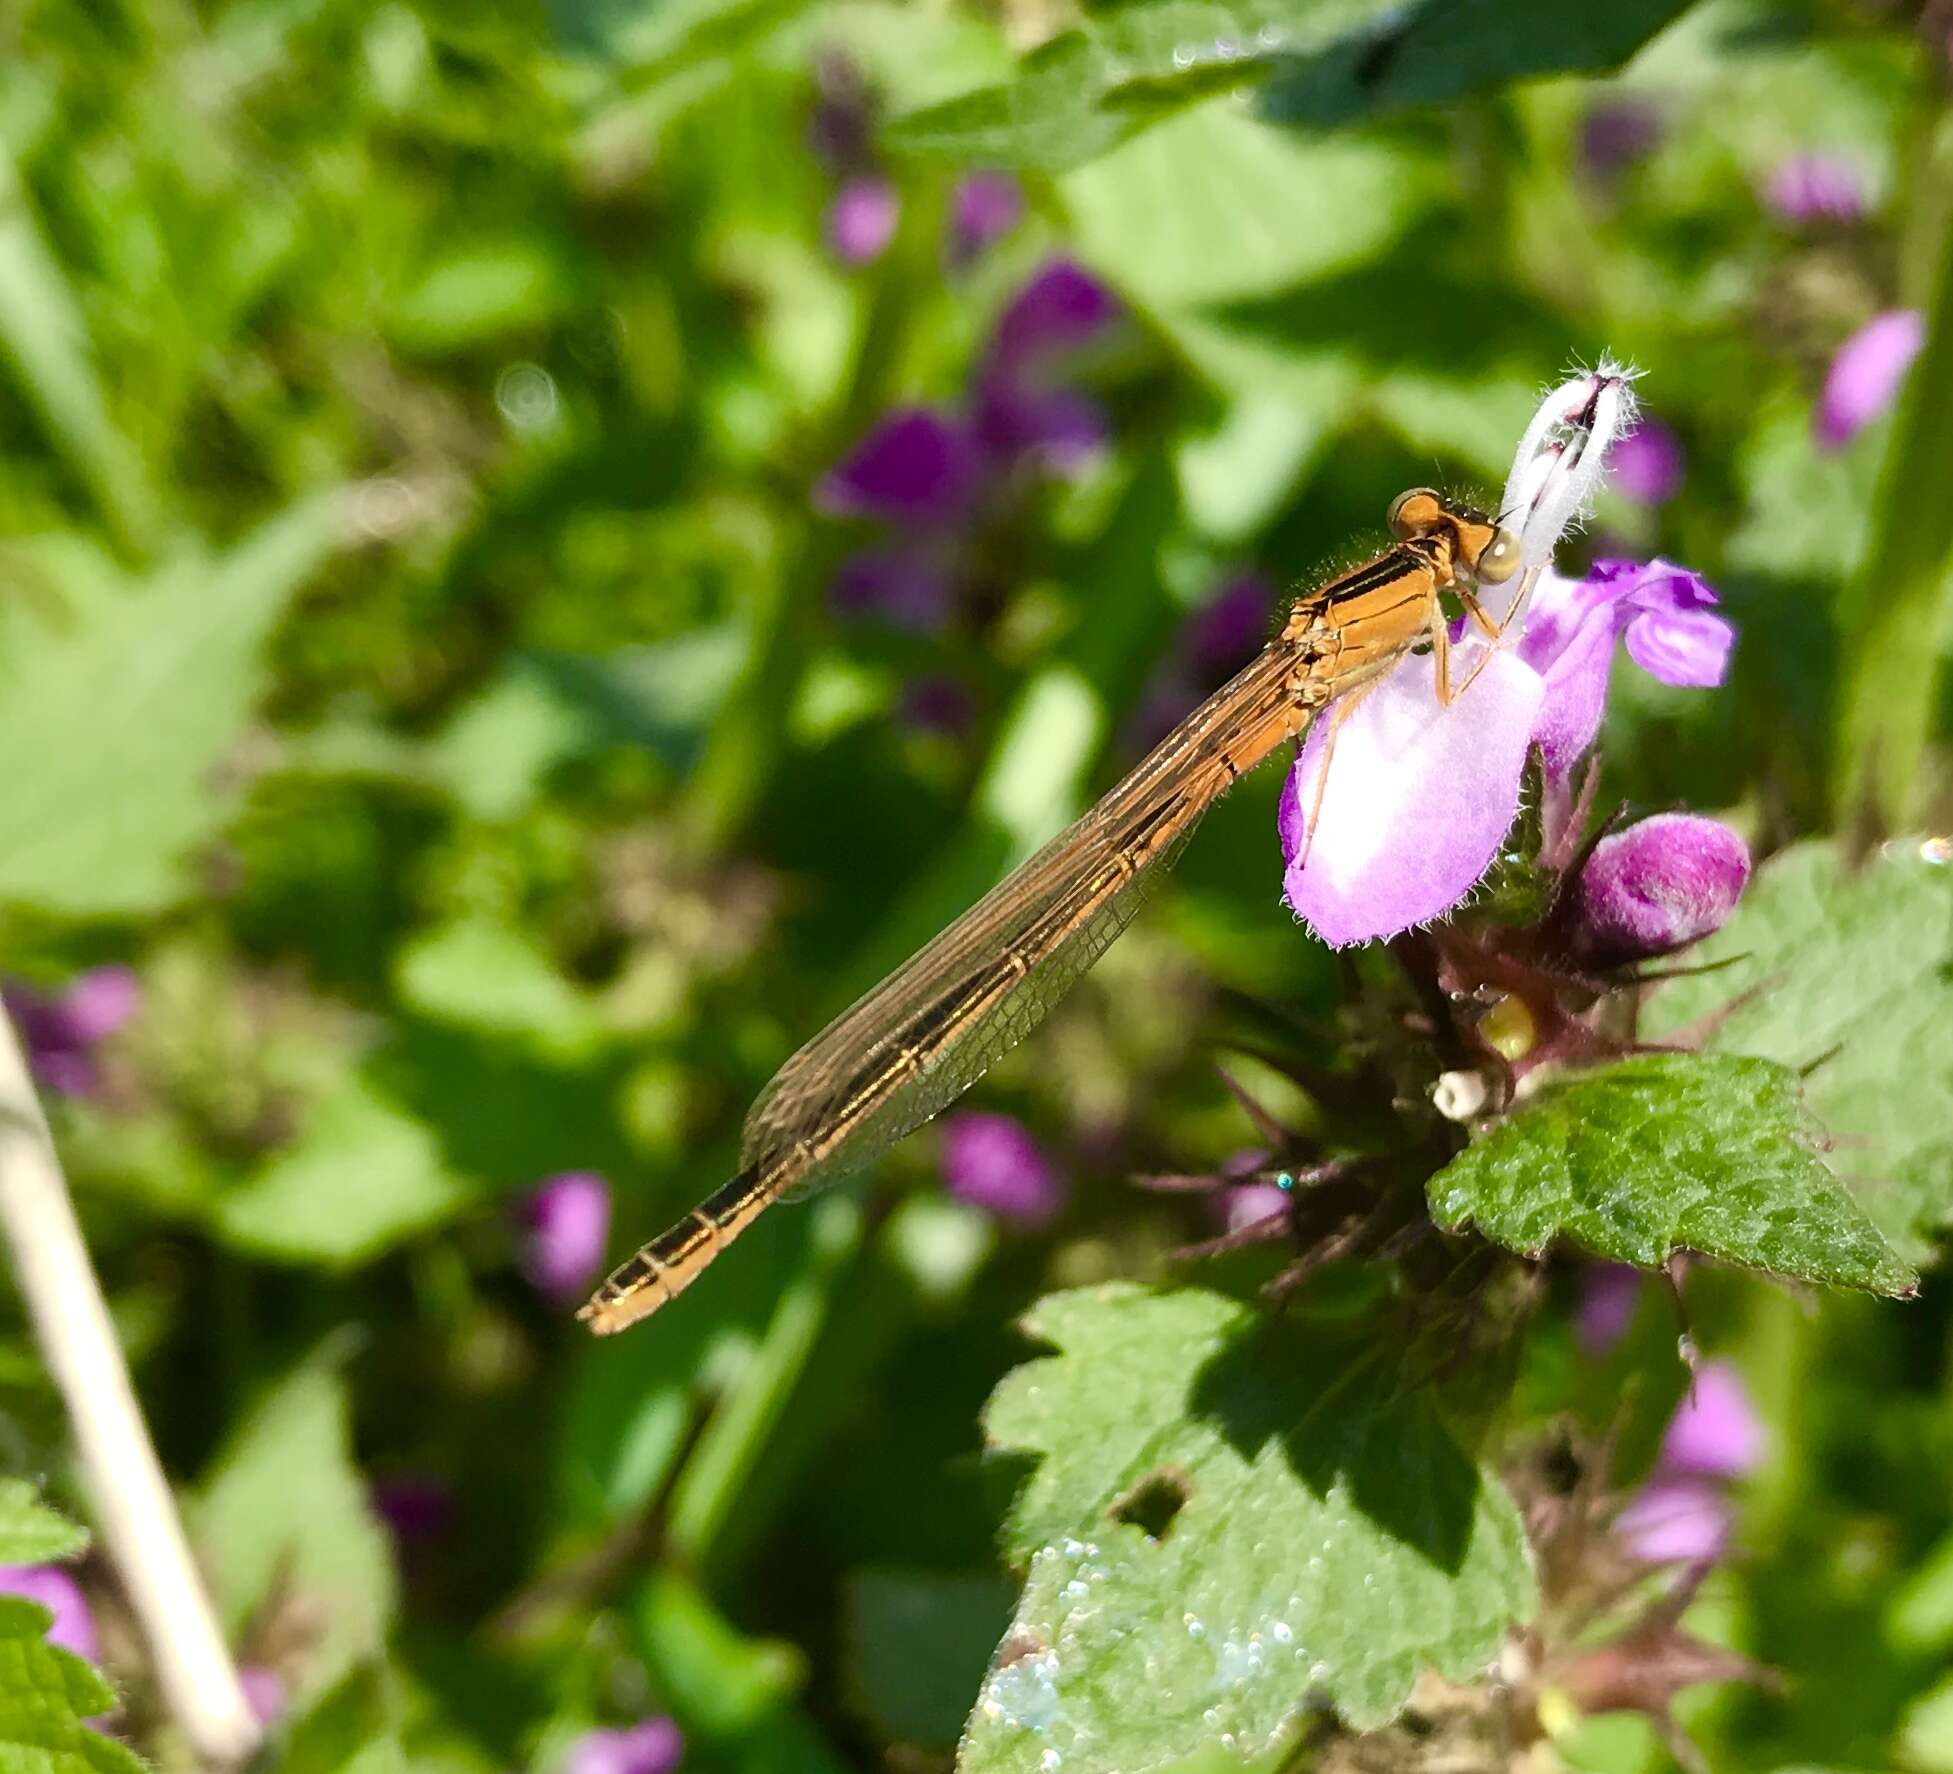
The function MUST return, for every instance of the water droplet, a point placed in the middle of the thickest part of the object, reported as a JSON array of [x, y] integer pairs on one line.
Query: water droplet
[[1183, 56], [1282, 1633], [525, 393], [1938, 851], [1226, 48], [1050, 1761], [1269, 36], [1195, 1629]]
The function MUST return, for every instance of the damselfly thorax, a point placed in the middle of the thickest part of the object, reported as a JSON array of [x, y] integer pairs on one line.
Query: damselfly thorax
[[917, 1041]]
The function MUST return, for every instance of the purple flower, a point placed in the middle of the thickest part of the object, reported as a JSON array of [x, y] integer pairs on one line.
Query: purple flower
[[654, 1747], [1230, 627], [73, 1628], [938, 705], [992, 1162], [1609, 1295], [61, 1031], [916, 467], [1249, 1204], [1660, 885], [1676, 1520], [566, 1222], [1867, 373], [1647, 464], [861, 219], [1615, 134], [416, 1506], [264, 1692], [1422, 795], [1715, 1431], [939, 478], [984, 208], [1063, 307], [1813, 187]]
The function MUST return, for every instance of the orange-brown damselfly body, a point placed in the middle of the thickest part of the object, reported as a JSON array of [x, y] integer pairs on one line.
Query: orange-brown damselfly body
[[922, 1037]]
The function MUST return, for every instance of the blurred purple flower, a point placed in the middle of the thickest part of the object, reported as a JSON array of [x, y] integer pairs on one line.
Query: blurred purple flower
[[60, 1031], [566, 1225], [1214, 643], [938, 705], [1866, 375], [74, 1625], [416, 1506], [1814, 187], [1660, 885], [1609, 1295], [904, 584], [984, 208], [1248, 1204], [264, 1692], [937, 477], [1422, 795], [654, 1747], [1676, 1520], [843, 121], [861, 219], [918, 467], [1715, 1431], [992, 1162], [1615, 134], [1227, 630], [1647, 464]]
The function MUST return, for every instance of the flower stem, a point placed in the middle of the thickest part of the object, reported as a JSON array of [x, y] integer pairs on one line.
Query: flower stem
[[132, 1500]]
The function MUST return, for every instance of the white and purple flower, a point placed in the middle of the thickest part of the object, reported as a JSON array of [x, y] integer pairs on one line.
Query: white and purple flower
[[1423, 793]]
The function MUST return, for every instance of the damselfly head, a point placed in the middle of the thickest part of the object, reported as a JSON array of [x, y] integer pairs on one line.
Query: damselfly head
[[1488, 552]]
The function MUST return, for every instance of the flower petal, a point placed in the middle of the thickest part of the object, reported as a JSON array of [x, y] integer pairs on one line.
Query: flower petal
[[1865, 376], [1574, 694], [1681, 1521], [1062, 307], [917, 466], [992, 1162], [904, 586], [1417, 800], [985, 207], [1686, 648], [1715, 1431], [1647, 464]]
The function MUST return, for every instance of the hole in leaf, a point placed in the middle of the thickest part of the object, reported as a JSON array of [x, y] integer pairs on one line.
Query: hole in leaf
[[1151, 1505]]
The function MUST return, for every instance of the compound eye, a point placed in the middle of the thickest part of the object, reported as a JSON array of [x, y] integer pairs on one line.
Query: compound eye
[[1498, 560], [1414, 513]]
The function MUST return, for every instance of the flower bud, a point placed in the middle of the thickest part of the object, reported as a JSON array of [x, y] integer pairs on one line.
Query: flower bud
[[1715, 1432], [74, 1624], [1867, 373], [1658, 886]]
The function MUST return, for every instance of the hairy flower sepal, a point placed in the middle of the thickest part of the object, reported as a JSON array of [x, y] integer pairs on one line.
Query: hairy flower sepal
[[1419, 794]]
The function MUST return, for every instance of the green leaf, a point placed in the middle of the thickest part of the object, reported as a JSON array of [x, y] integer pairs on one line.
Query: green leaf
[[45, 1695], [364, 1174], [1439, 50], [494, 979], [127, 695], [30, 1532], [1312, 1531], [44, 343], [1332, 62], [1090, 90], [1668, 1152], [282, 1519], [1848, 975]]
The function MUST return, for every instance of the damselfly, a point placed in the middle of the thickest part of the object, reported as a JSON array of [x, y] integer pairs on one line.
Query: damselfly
[[922, 1037]]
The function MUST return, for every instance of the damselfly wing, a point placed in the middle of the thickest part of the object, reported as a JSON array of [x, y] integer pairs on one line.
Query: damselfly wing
[[920, 1039]]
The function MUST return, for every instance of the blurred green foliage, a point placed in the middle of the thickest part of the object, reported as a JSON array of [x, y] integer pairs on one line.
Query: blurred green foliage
[[417, 663]]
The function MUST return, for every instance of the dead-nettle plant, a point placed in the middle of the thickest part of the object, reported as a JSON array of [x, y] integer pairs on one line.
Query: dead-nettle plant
[[1266, 1506]]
